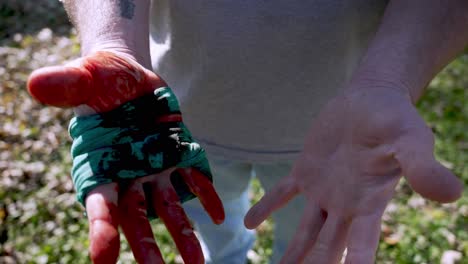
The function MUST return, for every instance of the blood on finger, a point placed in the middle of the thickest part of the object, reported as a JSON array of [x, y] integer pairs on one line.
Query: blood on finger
[[103, 231], [136, 227], [204, 190], [169, 209], [117, 80], [104, 242]]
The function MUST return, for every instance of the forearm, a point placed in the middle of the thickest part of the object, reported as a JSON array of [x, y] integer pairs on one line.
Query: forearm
[[117, 25], [415, 40]]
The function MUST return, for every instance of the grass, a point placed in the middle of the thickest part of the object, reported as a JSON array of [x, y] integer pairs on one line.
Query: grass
[[40, 222]]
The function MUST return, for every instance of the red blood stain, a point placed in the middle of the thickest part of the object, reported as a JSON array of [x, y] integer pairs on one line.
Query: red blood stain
[[137, 229], [170, 211], [104, 236], [104, 81], [204, 190]]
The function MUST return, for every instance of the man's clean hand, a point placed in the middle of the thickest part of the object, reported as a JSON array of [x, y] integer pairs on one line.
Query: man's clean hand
[[99, 83], [358, 148]]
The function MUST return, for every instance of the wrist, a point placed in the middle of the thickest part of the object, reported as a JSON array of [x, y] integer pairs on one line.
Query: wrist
[[119, 47], [372, 79], [116, 26]]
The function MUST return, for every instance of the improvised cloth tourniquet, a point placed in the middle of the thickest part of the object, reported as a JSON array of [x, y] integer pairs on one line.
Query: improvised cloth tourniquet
[[128, 142]]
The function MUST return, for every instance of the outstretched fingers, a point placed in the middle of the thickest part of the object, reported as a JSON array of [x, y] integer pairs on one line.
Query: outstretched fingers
[[135, 225], [363, 239], [331, 241], [169, 209], [103, 217], [276, 198], [204, 190], [306, 234]]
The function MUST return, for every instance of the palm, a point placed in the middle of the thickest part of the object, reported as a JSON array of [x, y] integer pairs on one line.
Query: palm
[[100, 83], [354, 155], [358, 148]]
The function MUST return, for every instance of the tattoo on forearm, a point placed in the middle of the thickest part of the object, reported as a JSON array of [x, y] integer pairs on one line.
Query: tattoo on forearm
[[127, 8]]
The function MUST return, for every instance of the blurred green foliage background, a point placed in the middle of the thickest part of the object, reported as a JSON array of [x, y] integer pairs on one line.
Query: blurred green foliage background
[[40, 222]]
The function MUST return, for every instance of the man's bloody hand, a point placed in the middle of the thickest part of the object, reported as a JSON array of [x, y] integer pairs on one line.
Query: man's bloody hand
[[103, 81]]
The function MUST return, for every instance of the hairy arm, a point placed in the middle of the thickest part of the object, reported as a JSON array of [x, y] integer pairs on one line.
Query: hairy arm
[[117, 25], [414, 42]]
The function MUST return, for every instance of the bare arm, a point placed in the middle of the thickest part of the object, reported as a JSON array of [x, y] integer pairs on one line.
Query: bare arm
[[415, 41], [117, 25]]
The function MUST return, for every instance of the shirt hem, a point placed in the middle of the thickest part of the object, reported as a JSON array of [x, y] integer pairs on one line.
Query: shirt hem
[[217, 151]]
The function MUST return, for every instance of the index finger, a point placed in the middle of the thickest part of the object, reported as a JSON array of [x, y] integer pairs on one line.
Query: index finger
[[276, 198]]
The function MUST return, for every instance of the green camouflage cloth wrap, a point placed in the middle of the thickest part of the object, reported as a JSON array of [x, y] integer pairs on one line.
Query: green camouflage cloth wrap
[[127, 143]]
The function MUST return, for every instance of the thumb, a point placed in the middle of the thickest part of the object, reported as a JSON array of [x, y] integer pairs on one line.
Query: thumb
[[424, 173], [61, 86]]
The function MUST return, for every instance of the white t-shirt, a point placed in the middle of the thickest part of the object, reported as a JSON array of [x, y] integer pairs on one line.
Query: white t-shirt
[[251, 75]]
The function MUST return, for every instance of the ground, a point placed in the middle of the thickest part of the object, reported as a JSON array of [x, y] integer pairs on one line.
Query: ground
[[40, 221]]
